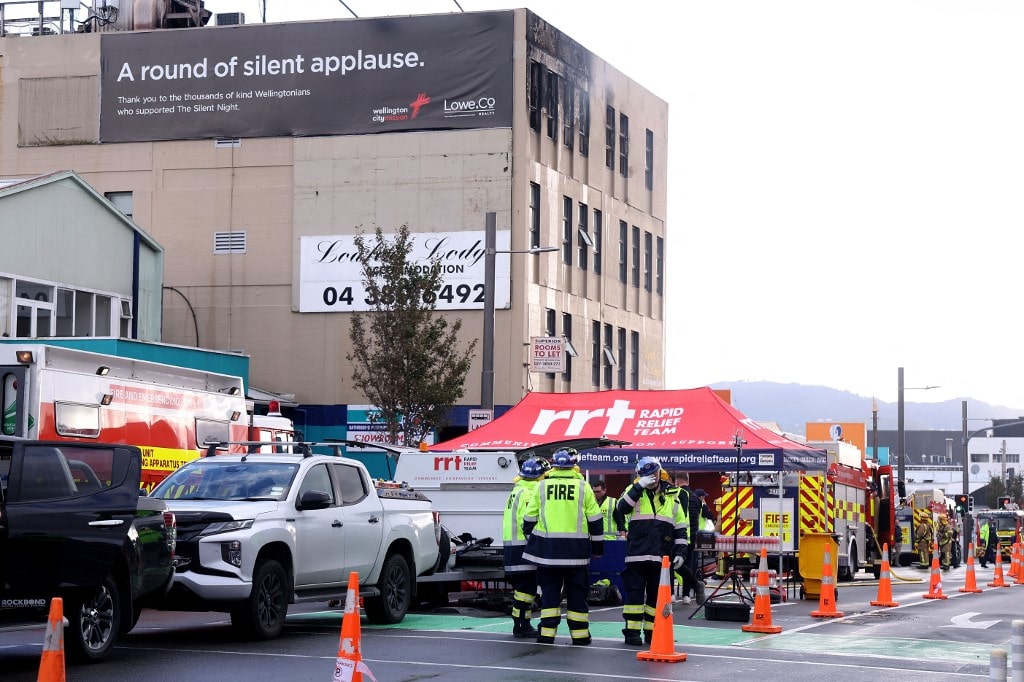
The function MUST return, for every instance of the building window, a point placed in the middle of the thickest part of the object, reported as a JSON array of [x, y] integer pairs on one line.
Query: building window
[[552, 102], [609, 356], [598, 236], [36, 309], [979, 457], [623, 249], [549, 330], [636, 257], [623, 145], [534, 215], [649, 160], [622, 358], [609, 137], [568, 114], [584, 123], [595, 340], [535, 89], [648, 260], [659, 269], [634, 360], [122, 201], [584, 241], [570, 351], [567, 230]]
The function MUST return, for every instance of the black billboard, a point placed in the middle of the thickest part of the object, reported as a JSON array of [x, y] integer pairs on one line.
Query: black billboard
[[346, 77]]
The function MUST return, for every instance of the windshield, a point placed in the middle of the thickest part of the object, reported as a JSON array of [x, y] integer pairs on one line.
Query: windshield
[[208, 479]]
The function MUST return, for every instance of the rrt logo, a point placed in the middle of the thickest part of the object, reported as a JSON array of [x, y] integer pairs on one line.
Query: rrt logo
[[614, 417], [455, 463]]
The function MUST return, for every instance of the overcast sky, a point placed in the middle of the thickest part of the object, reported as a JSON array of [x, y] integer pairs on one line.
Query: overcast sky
[[845, 182]]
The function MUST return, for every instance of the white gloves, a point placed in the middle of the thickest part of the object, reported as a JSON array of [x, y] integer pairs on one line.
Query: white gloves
[[677, 562], [648, 481]]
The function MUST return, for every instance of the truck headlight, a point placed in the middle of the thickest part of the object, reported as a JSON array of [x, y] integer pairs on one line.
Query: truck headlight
[[227, 526], [231, 553]]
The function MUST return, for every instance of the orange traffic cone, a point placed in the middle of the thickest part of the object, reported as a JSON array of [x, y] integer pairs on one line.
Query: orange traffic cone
[[827, 598], [349, 666], [970, 581], [762, 620], [885, 582], [662, 641], [1019, 575], [51, 665], [935, 585], [997, 577]]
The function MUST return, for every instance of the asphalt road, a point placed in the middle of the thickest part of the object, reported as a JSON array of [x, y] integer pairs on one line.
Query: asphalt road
[[921, 639]]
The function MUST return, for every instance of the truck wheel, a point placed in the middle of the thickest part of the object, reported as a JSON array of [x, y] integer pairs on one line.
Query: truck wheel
[[262, 615], [395, 592], [93, 623]]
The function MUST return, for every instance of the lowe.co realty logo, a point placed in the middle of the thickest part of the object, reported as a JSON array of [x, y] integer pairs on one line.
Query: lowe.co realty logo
[[617, 420]]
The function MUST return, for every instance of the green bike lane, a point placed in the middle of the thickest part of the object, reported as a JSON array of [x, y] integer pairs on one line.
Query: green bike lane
[[796, 640]]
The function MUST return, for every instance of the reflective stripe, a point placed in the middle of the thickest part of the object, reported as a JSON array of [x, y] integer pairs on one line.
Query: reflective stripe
[[520, 568], [551, 613], [636, 609], [523, 596], [578, 616], [644, 557]]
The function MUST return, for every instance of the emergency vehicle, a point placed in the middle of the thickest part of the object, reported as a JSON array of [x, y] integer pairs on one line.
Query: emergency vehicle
[[1007, 525], [854, 499], [931, 503], [55, 393]]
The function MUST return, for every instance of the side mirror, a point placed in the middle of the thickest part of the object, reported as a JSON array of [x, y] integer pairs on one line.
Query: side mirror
[[314, 499]]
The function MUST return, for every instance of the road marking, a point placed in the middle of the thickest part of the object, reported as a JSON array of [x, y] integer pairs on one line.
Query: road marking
[[964, 621]]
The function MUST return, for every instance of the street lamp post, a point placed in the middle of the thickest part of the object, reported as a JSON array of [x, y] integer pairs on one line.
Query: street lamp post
[[901, 436], [487, 354]]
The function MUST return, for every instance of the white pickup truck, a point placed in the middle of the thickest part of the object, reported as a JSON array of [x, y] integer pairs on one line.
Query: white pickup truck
[[257, 532]]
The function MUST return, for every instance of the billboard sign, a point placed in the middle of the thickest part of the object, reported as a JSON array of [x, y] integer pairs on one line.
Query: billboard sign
[[547, 354], [344, 77], [331, 277]]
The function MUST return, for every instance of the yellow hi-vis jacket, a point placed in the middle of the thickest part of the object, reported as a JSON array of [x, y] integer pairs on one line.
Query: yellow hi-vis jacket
[[563, 521], [514, 542]]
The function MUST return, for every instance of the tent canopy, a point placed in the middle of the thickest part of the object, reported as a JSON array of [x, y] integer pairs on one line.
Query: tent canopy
[[688, 430]]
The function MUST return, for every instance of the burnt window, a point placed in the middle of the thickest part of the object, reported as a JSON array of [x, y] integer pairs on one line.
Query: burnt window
[[584, 123], [609, 137], [552, 103], [623, 145], [535, 89], [649, 160]]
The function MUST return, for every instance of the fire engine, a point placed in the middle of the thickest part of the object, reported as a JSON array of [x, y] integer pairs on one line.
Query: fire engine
[[1007, 524], [54, 393], [854, 500]]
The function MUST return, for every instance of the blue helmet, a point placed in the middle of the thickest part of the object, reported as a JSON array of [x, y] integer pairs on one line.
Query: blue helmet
[[532, 469], [647, 466], [565, 458]]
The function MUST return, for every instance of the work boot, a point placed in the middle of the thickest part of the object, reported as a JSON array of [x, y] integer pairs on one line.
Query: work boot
[[582, 641], [545, 640], [698, 591], [632, 638], [523, 630]]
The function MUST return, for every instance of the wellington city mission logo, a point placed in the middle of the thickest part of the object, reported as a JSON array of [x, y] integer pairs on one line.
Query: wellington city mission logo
[[458, 107]]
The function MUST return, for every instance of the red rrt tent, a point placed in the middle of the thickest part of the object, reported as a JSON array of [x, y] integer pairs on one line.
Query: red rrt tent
[[691, 429]]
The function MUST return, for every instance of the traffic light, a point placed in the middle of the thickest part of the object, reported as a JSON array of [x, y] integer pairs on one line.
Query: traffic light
[[962, 504], [970, 503], [1004, 503]]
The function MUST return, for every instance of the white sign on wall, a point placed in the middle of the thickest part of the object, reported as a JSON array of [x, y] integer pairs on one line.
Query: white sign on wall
[[547, 354], [478, 418], [331, 279]]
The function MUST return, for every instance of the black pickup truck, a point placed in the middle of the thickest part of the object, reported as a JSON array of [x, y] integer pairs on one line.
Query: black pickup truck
[[73, 525]]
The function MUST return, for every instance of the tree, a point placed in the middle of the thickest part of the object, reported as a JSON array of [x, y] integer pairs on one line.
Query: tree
[[405, 358], [1012, 487]]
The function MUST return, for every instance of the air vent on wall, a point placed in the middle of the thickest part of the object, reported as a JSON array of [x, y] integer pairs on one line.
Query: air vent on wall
[[227, 142], [230, 18], [230, 242]]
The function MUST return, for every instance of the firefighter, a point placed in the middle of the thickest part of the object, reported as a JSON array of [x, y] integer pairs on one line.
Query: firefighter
[[988, 544], [923, 534], [521, 575], [564, 530], [944, 536], [658, 526], [607, 505]]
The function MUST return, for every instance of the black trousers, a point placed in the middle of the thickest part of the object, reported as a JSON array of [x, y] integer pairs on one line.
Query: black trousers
[[575, 580], [640, 580], [524, 586]]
